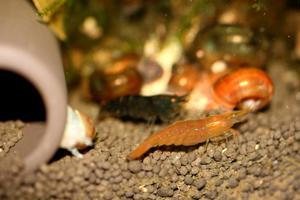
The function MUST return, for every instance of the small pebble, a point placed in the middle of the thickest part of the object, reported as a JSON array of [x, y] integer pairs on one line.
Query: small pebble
[[252, 156], [163, 156], [137, 197], [173, 186], [205, 160], [174, 178], [183, 170], [217, 156], [191, 157], [246, 187], [194, 170], [163, 172], [232, 183], [254, 170], [242, 173], [184, 160], [165, 192], [156, 169], [196, 195], [188, 180], [199, 183], [218, 182], [106, 165], [277, 134], [297, 136], [150, 188], [135, 166], [211, 194], [236, 166]]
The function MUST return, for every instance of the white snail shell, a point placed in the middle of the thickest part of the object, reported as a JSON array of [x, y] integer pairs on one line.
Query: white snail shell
[[79, 131], [165, 57]]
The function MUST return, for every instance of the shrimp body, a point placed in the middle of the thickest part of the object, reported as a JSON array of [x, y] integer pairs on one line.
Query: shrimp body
[[158, 107], [190, 132]]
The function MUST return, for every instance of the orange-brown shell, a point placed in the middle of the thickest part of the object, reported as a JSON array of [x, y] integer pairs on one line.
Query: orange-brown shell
[[122, 64], [125, 83], [120, 79], [89, 127], [235, 88], [184, 78]]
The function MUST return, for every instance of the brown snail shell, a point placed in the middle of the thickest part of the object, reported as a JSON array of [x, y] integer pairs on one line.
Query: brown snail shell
[[183, 79], [120, 79]]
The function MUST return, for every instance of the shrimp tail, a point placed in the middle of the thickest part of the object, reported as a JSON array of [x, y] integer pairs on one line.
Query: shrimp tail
[[141, 149]]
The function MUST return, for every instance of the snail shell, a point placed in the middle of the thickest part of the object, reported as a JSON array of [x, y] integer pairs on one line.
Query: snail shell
[[165, 57], [79, 131], [150, 70], [234, 45], [245, 88], [120, 79], [184, 78]]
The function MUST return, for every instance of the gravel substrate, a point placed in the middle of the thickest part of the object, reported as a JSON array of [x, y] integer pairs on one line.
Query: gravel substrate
[[10, 134], [264, 164]]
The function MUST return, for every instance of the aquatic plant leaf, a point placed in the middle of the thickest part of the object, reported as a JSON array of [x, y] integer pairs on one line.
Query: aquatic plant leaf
[[47, 8], [52, 13]]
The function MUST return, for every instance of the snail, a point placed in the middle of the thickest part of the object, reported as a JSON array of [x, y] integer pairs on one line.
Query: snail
[[183, 79], [120, 79], [243, 88], [231, 46], [248, 89], [164, 58], [79, 132]]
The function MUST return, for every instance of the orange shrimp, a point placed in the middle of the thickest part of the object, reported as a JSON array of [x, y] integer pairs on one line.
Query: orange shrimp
[[190, 132]]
